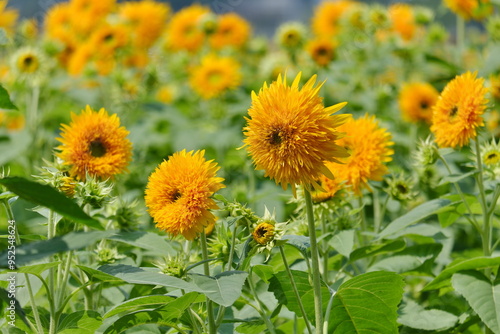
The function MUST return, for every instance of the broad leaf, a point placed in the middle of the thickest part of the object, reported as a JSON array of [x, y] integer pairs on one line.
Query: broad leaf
[[377, 249], [343, 242], [367, 304], [45, 195], [166, 315], [482, 296], [298, 241], [36, 251], [136, 304], [252, 327], [5, 102], [223, 288], [95, 275], [442, 279], [80, 322], [147, 240], [136, 275], [282, 289], [415, 316], [414, 216], [37, 269], [264, 271]]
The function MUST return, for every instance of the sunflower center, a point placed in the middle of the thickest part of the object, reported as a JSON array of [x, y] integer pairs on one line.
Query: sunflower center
[[175, 195], [454, 111], [97, 148], [322, 52], [402, 189], [108, 37], [214, 76], [492, 158], [424, 105], [275, 137]]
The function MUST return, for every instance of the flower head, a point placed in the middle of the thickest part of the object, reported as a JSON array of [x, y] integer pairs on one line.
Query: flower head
[[470, 9], [184, 32], [232, 30], [326, 19], [403, 20], [267, 233], [8, 17], [94, 144], [459, 110], [322, 51], [214, 76], [369, 148], [178, 194], [291, 35], [290, 134], [416, 101]]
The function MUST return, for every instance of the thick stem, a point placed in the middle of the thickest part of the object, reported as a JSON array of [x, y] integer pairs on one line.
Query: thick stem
[[316, 274], [206, 269], [294, 287], [486, 231]]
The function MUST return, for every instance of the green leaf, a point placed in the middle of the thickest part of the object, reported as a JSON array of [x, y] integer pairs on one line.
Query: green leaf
[[454, 178], [39, 250], [441, 280], [5, 102], [413, 315], [45, 195], [136, 304], [136, 275], [414, 216], [252, 327], [223, 288], [264, 271], [458, 209], [377, 249], [80, 322], [298, 241], [147, 240], [343, 242], [95, 275], [367, 304], [482, 296], [166, 315], [37, 269], [282, 289]]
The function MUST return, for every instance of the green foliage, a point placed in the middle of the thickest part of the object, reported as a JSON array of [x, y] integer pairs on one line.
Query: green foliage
[[5, 102], [223, 288], [84, 322], [413, 315]]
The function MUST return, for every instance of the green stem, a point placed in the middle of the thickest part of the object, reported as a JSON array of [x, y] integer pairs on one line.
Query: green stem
[[363, 220], [487, 229], [460, 37], [294, 287], [206, 268], [260, 309], [324, 252], [316, 275]]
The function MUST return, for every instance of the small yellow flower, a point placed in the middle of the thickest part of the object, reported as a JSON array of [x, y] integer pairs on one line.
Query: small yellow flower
[[232, 30], [263, 233], [326, 18], [184, 32], [322, 51], [416, 101]]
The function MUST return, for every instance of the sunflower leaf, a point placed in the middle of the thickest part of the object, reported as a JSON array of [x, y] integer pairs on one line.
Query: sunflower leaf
[[5, 102]]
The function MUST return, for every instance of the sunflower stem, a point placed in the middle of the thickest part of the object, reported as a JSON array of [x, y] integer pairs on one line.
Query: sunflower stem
[[260, 307], [363, 220], [294, 287], [206, 270], [316, 275]]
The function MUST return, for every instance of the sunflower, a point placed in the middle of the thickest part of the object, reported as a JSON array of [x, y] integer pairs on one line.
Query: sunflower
[[178, 194], [291, 35], [326, 18], [290, 134], [8, 17], [214, 76], [58, 25], [321, 50], [108, 38], [369, 148], [29, 64], [184, 32], [331, 187], [146, 19], [416, 101], [94, 144], [458, 111], [470, 9], [232, 30], [403, 20]]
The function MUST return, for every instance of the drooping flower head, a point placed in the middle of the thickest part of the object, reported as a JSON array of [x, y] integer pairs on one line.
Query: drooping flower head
[[94, 144], [459, 110], [369, 148], [178, 194], [290, 134], [214, 76], [416, 101]]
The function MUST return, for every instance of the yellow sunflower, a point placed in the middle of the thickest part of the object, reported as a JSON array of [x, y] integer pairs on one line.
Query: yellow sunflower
[[326, 18], [94, 144], [416, 101], [178, 194], [232, 30], [403, 20], [369, 148], [321, 50], [146, 19], [331, 187], [291, 35], [58, 24], [459, 110], [290, 134], [214, 76], [184, 31], [8, 17], [108, 38], [470, 9]]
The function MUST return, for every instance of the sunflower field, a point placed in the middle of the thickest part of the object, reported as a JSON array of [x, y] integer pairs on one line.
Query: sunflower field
[[171, 171]]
